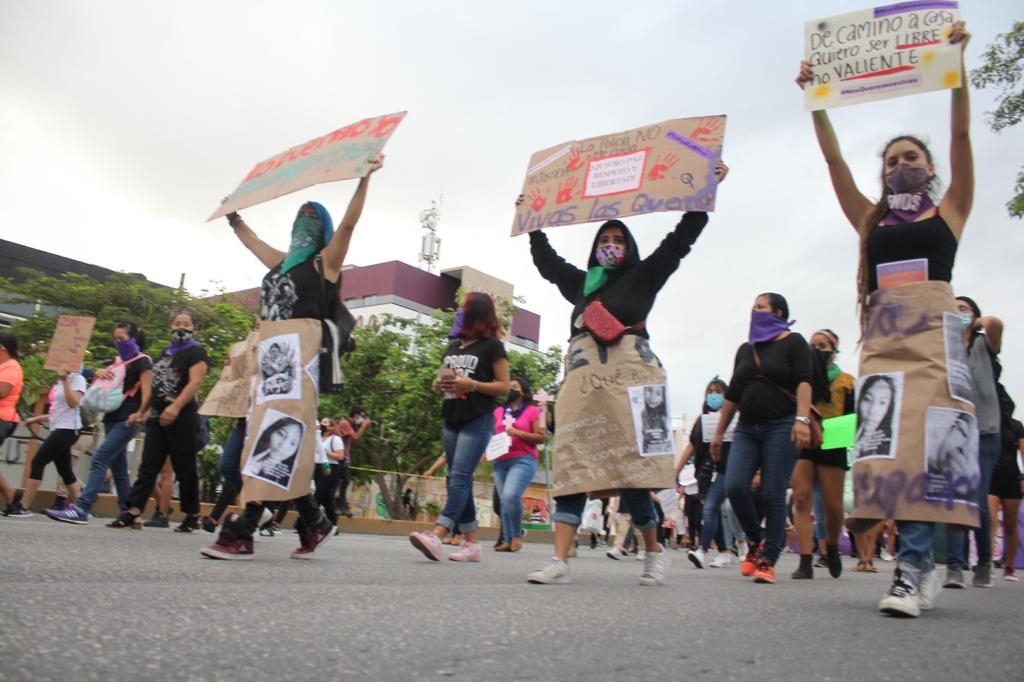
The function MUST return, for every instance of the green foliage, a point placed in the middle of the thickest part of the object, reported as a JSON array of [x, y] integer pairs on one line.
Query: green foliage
[[1003, 69], [120, 297]]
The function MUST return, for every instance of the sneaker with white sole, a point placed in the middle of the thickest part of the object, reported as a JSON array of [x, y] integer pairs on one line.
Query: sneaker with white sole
[[655, 568], [469, 552], [641, 554], [982, 575], [16, 511], [954, 579], [901, 599], [885, 555], [428, 543], [69, 514], [722, 560], [928, 589], [554, 572], [616, 553], [696, 557], [311, 540]]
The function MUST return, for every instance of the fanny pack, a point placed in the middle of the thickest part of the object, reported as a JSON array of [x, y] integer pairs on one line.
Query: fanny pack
[[603, 325]]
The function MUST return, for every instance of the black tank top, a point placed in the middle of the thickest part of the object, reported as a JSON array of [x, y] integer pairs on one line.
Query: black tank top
[[929, 239], [297, 294]]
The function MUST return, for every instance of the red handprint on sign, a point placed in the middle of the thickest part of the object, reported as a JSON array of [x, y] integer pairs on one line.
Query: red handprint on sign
[[661, 165], [565, 191], [536, 199], [708, 130], [575, 162]]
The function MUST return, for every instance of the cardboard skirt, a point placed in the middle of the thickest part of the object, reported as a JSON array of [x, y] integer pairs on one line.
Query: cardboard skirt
[[598, 438], [915, 456]]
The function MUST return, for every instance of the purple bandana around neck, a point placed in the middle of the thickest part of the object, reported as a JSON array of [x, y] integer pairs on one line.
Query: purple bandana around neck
[[766, 326], [456, 329], [179, 346], [907, 207]]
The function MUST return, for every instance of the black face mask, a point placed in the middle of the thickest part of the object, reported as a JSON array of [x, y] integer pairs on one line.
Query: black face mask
[[514, 395], [823, 356]]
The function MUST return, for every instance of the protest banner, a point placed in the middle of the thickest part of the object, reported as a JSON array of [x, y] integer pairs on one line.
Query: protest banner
[[338, 155], [668, 166], [880, 53], [70, 340], [230, 395]]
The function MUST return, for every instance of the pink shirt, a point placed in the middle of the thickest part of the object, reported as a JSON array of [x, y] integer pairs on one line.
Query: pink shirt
[[10, 373], [527, 418]]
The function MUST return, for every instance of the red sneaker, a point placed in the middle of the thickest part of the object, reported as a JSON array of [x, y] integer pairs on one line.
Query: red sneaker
[[316, 538], [749, 562], [234, 543], [764, 572]]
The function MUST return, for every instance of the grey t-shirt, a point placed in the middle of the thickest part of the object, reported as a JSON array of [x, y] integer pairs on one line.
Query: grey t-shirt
[[986, 400]]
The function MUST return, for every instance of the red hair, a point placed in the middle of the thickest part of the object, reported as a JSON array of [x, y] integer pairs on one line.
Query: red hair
[[480, 319]]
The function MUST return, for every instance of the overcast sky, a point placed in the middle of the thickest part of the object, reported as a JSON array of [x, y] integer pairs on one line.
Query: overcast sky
[[122, 124]]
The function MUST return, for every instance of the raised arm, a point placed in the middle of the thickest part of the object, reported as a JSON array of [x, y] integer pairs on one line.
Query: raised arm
[[855, 205], [956, 204], [268, 255], [334, 253]]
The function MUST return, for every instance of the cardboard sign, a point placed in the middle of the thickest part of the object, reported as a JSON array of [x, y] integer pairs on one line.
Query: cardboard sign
[[880, 53], [709, 426], [70, 341], [916, 451], [230, 395], [281, 437], [596, 448], [338, 155], [668, 166], [497, 446]]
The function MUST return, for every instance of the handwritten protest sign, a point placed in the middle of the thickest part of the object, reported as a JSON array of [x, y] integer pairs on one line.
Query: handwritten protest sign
[[879, 53], [668, 166], [338, 155], [70, 339]]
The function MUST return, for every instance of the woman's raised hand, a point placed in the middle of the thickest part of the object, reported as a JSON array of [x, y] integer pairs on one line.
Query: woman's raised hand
[[805, 75], [959, 34], [376, 162], [721, 170]]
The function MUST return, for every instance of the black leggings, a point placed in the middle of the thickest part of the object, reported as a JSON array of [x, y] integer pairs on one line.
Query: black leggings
[[179, 440], [57, 449], [326, 483], [694, 510]]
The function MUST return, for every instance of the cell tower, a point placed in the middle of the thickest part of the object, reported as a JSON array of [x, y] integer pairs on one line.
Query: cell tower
[[430, 245]]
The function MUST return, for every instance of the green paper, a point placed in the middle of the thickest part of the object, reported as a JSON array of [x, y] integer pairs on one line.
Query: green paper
[[839, 432]]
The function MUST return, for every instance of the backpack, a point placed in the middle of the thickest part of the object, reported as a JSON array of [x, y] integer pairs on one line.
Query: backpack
[[107, 395]]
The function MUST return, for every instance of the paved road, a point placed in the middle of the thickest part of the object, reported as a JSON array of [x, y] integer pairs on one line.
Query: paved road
[[93, 603]]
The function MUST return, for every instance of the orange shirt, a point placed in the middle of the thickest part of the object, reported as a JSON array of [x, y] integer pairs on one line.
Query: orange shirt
[[10, 373]]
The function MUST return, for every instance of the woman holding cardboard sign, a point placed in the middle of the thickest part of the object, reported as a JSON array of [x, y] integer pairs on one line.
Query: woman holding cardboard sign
[[599, 437], [303, 284], [907, 248]]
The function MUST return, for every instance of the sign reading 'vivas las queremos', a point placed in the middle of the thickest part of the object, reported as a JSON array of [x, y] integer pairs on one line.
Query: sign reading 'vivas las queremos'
[[880, 53], [668, 166], [338, 155]]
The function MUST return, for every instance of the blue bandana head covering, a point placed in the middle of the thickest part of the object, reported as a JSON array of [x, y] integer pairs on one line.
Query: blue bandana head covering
[[307, 237]]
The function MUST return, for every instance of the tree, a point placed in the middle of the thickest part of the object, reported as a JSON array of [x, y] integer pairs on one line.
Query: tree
[[1003, 69], [390, 376]]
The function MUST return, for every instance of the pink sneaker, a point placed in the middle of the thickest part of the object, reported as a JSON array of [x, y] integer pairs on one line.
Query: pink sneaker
[[468, 552], [428, 543]]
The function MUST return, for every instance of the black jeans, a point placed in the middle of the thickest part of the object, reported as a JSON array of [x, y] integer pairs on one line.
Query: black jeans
[[177, 440], [344, 476], [326, 482]]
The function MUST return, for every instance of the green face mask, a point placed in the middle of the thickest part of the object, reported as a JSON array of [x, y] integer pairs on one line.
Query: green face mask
[[306, 238]]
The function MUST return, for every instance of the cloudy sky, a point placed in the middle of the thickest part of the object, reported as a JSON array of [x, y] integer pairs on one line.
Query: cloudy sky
[[122, 124]]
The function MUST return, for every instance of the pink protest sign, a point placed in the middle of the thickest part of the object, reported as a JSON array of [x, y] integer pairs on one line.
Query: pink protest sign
[[338, 155], [70, 340]]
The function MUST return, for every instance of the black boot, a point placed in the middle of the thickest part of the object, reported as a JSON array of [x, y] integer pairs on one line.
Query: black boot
[[835, 562], [806, 569]]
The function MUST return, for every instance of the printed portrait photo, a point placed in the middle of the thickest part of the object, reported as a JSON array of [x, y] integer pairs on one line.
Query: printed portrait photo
[[276, 451], [878, 401], [957, 372], [951, 455], [650, 419], [280, 365]]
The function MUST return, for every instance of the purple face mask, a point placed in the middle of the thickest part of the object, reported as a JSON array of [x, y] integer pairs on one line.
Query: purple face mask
[[766, 326], [905, 178], [610, 255]]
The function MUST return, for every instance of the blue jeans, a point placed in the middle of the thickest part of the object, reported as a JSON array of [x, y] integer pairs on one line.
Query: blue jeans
[[633, 501], [511, 476], [731, 530], [766, 447], [111, 454], [464, 445], [711, 526], [956, 541], [915, 555]]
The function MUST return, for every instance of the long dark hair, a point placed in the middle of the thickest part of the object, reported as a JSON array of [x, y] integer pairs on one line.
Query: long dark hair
[[527, 390], [778, 303], [717, 381], [133, 332], [874, 218]]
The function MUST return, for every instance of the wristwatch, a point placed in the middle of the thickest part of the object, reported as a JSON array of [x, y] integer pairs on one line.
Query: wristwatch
[[803, 420]]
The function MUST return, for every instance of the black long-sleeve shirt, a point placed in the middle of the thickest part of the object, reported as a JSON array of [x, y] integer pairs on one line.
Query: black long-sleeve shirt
[[630, 292], [787, 362]]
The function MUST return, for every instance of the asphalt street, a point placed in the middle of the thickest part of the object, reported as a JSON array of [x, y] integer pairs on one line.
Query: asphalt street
[[94, 603]]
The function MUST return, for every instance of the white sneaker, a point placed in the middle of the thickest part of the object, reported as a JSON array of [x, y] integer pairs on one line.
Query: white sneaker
[[722, 560], [616, 553], [902, 599], [641, 554], [884, 555], [928, 589], [742, 549], [655, 568], [696, 557], [554, 572]]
